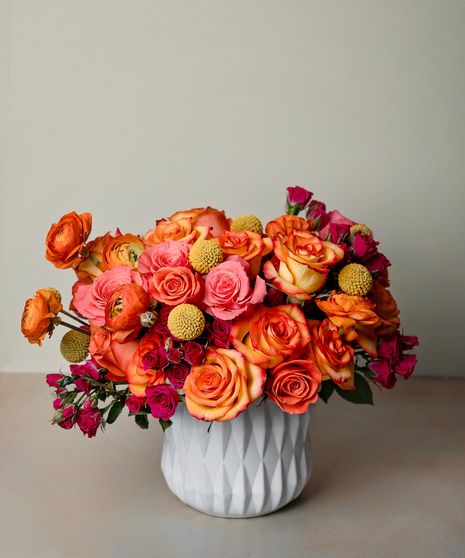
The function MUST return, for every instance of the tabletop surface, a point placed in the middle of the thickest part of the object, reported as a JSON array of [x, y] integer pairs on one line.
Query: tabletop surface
[[389, 481]]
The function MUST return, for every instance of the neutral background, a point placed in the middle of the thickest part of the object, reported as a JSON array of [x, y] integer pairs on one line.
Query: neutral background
[[132, 110]]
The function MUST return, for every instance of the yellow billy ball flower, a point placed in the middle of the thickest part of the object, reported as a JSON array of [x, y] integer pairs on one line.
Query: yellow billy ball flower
[[355, 279], [205, 255], [75, 346], [186, 322], [359, 227], [247, 223]]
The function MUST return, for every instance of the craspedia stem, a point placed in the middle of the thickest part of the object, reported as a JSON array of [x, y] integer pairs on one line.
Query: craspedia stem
[[74, 317]]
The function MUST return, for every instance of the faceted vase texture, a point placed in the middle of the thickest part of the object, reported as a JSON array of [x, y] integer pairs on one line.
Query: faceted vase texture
[[249, 466]]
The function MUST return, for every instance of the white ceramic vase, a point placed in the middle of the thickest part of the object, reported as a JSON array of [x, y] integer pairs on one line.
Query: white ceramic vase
[[249, 466]]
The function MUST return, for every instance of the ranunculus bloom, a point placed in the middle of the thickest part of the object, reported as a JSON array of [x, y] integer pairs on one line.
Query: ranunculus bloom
[[175, 285], [181, 229], [298, 197], [91, 299], [356, 316], [334, 217], [108, 353], [89, 419], [223, 386], [166, 254], [301, 264], [65, 242], [364, 250], [219, 332], [386, 308], [124, 249], [162, 400], [293, 385], [228, 292], [271, 335], [135, 404], [287, 224], [137, 375], [331, 354], [206, 217], [123, 310], [248, 245], [177, 374], [38, 315], [194, 353], [93, 266]]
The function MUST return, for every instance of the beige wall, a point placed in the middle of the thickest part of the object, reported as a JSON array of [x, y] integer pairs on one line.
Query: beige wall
[[133, 109]]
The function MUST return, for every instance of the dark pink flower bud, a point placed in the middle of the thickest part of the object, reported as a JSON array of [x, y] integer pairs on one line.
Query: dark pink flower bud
[[177, 374], [219, 333], [162, 400], [53, 380], [155, 359], [194, 353], [87, 369], [135, 404], [174, 355], [89, 419], [298, 198], [67, 417]]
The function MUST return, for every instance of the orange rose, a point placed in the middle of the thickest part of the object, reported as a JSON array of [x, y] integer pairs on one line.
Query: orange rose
[[386, 308], [181, 229], [293, 386], [123, 310], [334, 358], [38, 315], [124, 249], [356, 316], [209, 217], [175, 285], [138, 378], [65, 242], [302, 263], [115, 357], [271, 335], [248, 245], [287, 224], [223, 386]]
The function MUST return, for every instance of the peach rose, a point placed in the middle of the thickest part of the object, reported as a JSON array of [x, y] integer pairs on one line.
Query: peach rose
[[287, 224], [38, 315], [223, 386], [166, 254], [271, 335], [181, 229], [386, 308], [138, 377], [213, 219], [65, 242], [334, 358], [123, 310], [115, 357], [124, 249], [293, 385], [249, 246], [302, 263], [175, 285], [356, 316]]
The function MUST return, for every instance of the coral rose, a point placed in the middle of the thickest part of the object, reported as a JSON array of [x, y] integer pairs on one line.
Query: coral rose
[[228, 292], [181, 229], [39, 313], [65, 242], [138, 376], [331, 354], [271, 335], [213, 219], [386, 308], [175, 285], [356, 316], [287, 224], [223, 386], [124, 249], [302, 263], [166, 254], [293, 385], [248, 245], [123, 310], [108, 353]]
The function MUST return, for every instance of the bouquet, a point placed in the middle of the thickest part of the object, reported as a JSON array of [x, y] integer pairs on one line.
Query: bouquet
[[216, 313]]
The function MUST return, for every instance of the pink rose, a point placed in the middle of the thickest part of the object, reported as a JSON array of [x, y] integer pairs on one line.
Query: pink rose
[[228, 292], [66, 418], [177, 374], [334, 217], [364, 249], [317, 212], [194, 353], [54, 379], [155, 359], [162, 400], [219, 333], [166, 254], [89, 368], [391, 359], [91, 299], [298, 198], [135, 404], [89, 419]]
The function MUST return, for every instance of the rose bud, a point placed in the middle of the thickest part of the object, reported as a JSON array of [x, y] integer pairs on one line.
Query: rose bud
[[298, 199], [162, 400], [89, 419]]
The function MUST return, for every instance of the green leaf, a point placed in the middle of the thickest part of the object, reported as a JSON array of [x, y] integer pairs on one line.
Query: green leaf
[[165, 424], [326, 390], [361, 395], [142, 421], [115, 410]]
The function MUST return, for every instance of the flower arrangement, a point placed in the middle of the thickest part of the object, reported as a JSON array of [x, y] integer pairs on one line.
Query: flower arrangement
[[215, 313]]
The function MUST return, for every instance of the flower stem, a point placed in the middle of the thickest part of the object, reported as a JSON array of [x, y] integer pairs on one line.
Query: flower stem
[[74, 327], [72, 316]]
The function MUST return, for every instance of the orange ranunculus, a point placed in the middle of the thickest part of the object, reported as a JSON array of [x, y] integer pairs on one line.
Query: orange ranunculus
[[94, 265], [38, 315], [248, 245], [124, 249], [214, 219], [65, 242], [271, 335], [331, 354], [123, 310], [356, 316], [386, 308], [301, 264], [181, 229], [139, 378], [287, 224], [223, 386], [293, 385], [115, 357], [175, 285]]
